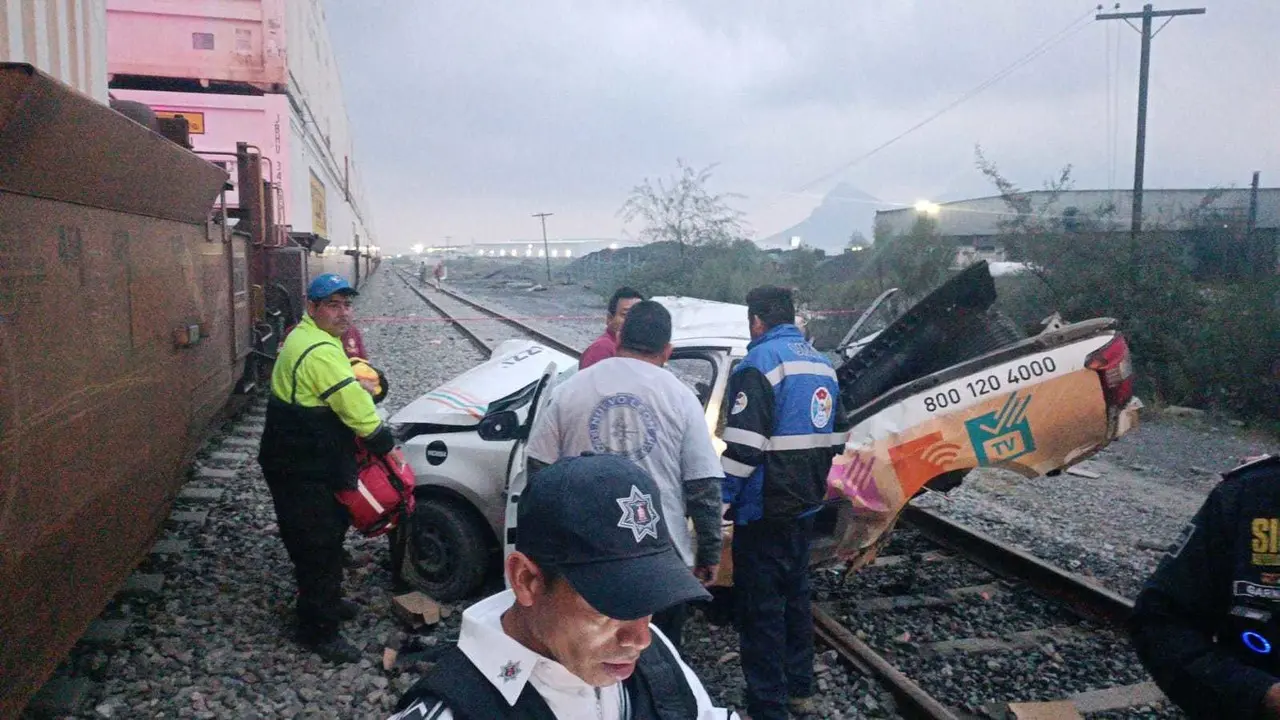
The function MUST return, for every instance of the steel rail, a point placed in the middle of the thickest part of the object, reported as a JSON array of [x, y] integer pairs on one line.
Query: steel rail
[[540, 335], [913, 701], [1085, 597], [466, 331], [549, 340]]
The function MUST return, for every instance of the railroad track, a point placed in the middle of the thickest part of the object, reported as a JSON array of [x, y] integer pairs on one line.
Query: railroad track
[[460, 311], [1031, 608], [959, 625]]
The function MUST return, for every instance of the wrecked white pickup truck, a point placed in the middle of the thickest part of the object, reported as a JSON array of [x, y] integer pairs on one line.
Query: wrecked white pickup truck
[[945, 387]]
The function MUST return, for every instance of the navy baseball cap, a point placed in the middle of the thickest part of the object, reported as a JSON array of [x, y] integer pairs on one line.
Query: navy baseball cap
[[597, 519], [327, 284]]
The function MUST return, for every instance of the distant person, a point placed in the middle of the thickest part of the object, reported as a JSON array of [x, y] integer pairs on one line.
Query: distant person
[[353, 343], [630, 405], [607, 344], [780, 436], [441, 273], [572, 638], [1207, 623]]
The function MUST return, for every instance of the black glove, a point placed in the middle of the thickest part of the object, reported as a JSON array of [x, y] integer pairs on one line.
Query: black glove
[[381, 441]]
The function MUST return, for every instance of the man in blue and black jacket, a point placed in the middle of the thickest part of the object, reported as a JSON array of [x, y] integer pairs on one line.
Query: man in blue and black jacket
[[780, 435], [1207, 623]]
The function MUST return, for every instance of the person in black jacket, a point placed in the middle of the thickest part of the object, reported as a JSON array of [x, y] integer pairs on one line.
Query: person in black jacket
[[1207, 623]]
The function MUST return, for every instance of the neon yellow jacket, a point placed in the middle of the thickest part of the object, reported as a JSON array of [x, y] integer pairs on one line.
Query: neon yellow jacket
[[323, 378], [316, 411]]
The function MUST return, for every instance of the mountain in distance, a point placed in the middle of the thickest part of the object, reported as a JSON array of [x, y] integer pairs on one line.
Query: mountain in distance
[[844, 209]]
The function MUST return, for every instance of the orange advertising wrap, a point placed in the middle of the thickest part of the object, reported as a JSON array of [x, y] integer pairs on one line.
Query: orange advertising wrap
[[1020, 431]]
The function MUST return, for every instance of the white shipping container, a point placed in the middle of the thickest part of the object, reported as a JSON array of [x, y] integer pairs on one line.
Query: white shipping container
[[66, 39]]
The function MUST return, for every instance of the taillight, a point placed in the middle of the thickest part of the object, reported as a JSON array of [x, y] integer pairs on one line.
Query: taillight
[[1114, 365]]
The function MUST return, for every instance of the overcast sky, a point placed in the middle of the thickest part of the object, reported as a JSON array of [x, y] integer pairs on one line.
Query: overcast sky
[[469, 115]]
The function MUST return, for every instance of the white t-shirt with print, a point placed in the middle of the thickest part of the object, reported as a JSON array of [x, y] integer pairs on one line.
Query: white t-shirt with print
[[630, 407]]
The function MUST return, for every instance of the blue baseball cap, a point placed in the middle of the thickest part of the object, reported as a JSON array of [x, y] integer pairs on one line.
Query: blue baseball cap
[[598, 520], [327, 284]]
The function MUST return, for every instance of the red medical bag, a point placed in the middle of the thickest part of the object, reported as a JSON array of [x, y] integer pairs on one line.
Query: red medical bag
[[383, 496]]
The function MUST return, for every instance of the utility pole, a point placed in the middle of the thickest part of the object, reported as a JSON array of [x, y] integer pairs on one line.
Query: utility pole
[[545, 250], [1144, 68]]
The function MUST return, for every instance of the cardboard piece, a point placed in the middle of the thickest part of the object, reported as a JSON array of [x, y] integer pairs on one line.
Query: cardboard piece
[[415, 609]]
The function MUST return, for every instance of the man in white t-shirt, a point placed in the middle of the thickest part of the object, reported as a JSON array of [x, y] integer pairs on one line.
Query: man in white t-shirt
[[630, 405]]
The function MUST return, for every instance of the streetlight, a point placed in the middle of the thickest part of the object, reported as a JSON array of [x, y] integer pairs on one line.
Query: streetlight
[[546, 252], [924, 207]]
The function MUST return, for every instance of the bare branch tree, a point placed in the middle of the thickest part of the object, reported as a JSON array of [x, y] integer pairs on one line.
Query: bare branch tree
[[683, 211]]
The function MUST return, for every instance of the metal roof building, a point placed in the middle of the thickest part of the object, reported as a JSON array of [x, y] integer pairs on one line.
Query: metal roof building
[[1162, 209]]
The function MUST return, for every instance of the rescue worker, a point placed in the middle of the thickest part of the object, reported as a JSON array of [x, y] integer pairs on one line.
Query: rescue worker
[[780, 440], [606, 345], [630, 405], [316, 411], [1207, 623], [572, 637]]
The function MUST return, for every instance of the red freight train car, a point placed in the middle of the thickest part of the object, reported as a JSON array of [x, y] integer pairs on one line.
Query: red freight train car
[[131, 306]]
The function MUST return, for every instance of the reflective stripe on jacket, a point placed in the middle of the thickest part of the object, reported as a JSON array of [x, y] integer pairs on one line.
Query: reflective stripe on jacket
[[780, 431], [317, 409]]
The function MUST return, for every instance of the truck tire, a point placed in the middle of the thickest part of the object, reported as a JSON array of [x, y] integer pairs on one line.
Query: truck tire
[[450, 550]]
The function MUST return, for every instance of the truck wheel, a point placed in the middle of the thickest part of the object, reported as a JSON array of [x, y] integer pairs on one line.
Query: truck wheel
[[450, 550]]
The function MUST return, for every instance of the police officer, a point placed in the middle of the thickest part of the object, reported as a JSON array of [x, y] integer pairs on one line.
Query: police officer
[[572, 638], [780, 438], [316, 411], [1207, 623]]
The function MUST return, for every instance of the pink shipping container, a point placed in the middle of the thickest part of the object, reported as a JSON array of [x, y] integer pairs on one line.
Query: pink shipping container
[[65, 38], [277, 49], [313, 197]]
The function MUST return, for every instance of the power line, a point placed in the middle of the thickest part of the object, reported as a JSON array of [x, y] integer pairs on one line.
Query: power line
[[1073, 27]]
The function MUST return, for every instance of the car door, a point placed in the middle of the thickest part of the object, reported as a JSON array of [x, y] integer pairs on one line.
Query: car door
[[516, 462]]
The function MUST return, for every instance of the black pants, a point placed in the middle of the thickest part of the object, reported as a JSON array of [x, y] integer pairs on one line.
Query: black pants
[[671, 623], [312, 525], [775, 627]]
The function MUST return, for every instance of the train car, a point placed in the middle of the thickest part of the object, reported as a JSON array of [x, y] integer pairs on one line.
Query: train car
[[134, 303]]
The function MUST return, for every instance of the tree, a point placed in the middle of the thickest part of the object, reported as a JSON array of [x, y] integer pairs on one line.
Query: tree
[[683, 211], [916, 262]]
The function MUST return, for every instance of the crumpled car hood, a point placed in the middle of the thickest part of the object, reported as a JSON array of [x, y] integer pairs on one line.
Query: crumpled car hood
[[463, 400]]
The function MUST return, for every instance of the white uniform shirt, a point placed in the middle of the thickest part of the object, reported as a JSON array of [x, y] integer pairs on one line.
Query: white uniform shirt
[[629, 407], [509, 666]]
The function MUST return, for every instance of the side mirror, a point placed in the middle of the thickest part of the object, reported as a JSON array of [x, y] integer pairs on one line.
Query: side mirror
[[502, 425]]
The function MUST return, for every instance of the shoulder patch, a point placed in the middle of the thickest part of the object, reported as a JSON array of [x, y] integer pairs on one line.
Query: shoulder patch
[[820, 406], [739, 403]]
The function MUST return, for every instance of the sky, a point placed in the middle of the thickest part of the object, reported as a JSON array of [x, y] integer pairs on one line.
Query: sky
[[470, 115]]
